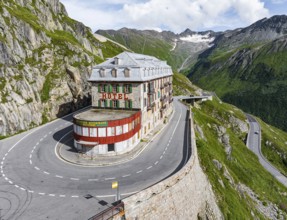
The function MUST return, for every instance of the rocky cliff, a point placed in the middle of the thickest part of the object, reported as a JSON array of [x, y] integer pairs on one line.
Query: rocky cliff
[[45, 60]]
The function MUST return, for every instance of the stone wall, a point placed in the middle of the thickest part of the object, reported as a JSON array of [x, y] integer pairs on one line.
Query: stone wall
[[185, 195]]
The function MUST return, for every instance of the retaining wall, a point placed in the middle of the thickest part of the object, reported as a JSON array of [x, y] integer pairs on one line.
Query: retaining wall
[[185, 195]]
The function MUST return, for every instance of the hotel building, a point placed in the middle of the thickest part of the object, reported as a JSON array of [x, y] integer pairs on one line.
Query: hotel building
[[131, 94]]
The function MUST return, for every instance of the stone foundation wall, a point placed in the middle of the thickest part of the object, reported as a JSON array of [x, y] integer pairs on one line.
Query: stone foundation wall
[[185, 195]]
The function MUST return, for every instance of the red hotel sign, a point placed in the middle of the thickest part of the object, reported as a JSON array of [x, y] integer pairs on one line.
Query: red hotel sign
[[114, 96]]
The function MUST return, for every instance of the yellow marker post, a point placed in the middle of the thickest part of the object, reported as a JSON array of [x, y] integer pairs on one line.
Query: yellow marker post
[[115, 185]]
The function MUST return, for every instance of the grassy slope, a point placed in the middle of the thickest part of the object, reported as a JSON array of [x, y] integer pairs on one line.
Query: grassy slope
[[244, 166], [274, 146]]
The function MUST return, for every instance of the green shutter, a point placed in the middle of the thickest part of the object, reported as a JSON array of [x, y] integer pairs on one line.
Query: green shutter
[[130, 88], [111, 103], [131, 104], [110, 88], [123, 88], [99, 103], [106, 88], [99, 87], [118, 88], [126, 103], [118, 103], [106, 103]]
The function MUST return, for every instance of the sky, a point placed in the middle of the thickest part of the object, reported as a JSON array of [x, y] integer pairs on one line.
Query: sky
[[172, 15]]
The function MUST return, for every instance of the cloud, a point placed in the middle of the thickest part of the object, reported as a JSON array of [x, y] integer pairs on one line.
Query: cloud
[[167, 14]]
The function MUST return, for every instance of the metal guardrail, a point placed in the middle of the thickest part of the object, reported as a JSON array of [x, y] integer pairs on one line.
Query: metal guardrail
[[114, 211]]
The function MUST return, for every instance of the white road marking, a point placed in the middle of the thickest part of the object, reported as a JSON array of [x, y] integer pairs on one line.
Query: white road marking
[[3, 175], [93, 179], [59, 176], [166, 148], [160, 157], [75, 196], [41, 139], [30, 155], [55, 129], [6, 154], [1, 167], [126, 175], [45, 136], [149, 167], [30, 191], [163, 153], [32, 151], [37, 168], [6, 179], [139, 171], [16, 186], [74, 179], [111, 178], [1, 171], [30, 162], [22, 189], [62, 196], [11, 182], [46, 173], [2, 162], [51, 194], [4, 158], [42, 194], [37, 143], [156, 163]]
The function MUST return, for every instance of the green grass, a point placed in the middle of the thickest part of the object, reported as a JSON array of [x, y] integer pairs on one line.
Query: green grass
[[244, 166], [182, 85]]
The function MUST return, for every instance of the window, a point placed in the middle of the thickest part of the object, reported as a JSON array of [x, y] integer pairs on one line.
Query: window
[[110, 131], [111, 147], [85, 131], [144, 87], [102, 72], [127, 88], [79, 130], [125, 128], [119, 130], [114, 88], [145, 102], [127, 72], [128, 104], [103, 103], [114, 103], [102, 132], [114, 73], [93, 132]]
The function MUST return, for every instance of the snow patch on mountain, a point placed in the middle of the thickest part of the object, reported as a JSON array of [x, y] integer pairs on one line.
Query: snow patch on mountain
[[198, 38]]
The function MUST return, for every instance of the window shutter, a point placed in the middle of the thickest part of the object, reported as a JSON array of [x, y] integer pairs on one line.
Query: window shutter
[[131, 104], [118, 88], [99, 103], [126, 104], [99, 87], [110, 88], [123, 88], [118, 103], [106, 103], [106, 88], [130, 88]]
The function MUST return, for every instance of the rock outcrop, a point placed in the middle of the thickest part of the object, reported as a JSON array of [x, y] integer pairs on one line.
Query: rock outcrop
[[45, 60]]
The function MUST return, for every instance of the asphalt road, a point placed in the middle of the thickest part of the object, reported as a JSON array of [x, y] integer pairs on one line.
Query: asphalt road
[[254, 144], [36, 184]]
